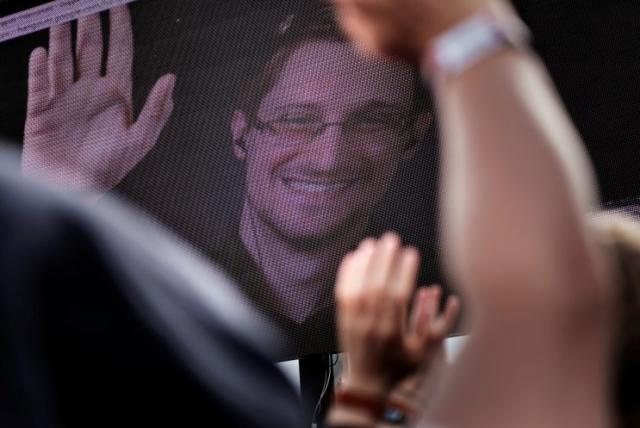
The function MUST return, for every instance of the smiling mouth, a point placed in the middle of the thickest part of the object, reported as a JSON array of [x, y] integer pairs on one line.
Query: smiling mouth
[[311, 186]]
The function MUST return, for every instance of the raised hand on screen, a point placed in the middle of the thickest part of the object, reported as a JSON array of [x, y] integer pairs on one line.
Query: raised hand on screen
[[405, 27], [385, 343], [80, 132]]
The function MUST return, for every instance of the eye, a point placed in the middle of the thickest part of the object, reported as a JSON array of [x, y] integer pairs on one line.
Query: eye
[[296, 120], [377, 119]]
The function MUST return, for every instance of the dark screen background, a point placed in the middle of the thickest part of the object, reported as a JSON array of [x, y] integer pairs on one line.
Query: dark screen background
[[192, 182]]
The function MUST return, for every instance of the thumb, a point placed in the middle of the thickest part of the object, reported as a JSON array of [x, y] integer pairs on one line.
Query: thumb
[[155, 113]]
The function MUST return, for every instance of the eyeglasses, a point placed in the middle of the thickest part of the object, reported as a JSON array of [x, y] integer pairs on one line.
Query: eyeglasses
[[380, 129]]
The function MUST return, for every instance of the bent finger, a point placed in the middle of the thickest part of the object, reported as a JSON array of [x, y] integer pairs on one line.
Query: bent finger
[[420, 317], [444, 324], [430, 314], [403, 282]]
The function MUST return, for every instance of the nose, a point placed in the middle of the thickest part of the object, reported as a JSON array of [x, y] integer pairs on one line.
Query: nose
[[329, 146]]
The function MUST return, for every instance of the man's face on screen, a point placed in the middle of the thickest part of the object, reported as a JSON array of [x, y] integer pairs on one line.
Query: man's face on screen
[[327, 140]]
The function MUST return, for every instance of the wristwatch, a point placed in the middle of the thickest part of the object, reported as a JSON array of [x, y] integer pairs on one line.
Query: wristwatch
[[469, 42]]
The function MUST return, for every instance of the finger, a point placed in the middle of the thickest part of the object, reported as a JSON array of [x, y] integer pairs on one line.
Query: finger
[[351, 282], [155, 114], [419, 313], [120, 57], [60, 59], [89, 46], [434, 301], [344, 292], [403, 283], [342, 277], [382, 263], [418, 339], [429, 313], [358, 272], [368, 242], [444, 324], [38, 92], [405, 274]]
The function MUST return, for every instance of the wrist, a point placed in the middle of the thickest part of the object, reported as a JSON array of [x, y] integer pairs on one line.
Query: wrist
[[470, 41], [452, 19], [366, 385], [349, 416], [362, 400]]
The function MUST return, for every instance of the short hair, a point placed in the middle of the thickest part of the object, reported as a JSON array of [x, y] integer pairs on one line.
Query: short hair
[[620, 235], [316, 23]]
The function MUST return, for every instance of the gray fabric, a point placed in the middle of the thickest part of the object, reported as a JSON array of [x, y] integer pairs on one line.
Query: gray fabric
[[107, 319]]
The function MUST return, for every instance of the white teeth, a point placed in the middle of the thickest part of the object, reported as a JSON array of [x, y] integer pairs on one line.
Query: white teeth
[[309, 187]]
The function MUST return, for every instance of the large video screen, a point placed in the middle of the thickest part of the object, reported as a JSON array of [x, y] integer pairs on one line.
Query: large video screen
[[253, 130], [250, 128]]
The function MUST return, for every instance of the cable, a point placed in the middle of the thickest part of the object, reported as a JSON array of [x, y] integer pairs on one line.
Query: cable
[[327, 378], [325, 387], [333, 363]]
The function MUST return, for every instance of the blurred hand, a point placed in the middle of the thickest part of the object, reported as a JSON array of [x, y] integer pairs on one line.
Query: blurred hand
[[403, 27], [80, 134], [386, 345], [418, 387]]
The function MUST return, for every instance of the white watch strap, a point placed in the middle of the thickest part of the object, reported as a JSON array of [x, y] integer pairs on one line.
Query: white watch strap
[[469, 42]]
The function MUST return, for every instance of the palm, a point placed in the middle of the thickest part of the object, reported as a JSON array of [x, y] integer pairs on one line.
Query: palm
[[78, 146], [79, 134]]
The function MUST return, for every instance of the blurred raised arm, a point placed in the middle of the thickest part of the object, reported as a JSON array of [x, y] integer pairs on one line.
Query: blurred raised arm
[[515, 189]]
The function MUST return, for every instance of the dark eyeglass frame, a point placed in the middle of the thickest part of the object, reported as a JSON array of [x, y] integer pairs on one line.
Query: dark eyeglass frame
[[321, 127]]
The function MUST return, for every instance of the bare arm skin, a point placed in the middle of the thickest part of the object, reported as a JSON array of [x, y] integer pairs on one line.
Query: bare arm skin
[[516, 185]]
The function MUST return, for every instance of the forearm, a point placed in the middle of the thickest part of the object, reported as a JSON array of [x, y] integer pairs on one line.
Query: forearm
[[516, 186], [516, 179], [505, 114]]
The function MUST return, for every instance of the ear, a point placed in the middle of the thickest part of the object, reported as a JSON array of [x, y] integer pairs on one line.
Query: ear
[[239, 127], [421, 127]]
